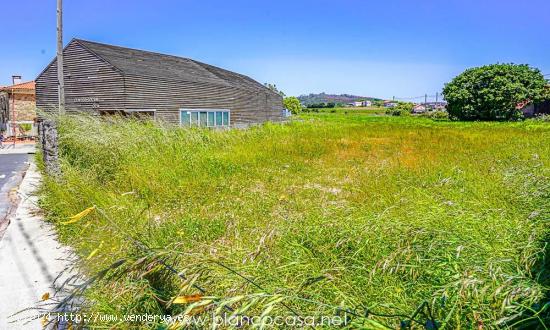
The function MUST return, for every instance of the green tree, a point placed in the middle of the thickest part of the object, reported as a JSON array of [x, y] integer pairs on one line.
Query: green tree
[[274, 88], [402, 109], [405, 106], [493, 92], [293, 104]]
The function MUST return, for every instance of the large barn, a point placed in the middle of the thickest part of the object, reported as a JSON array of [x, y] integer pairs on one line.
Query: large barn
[[106, 79]]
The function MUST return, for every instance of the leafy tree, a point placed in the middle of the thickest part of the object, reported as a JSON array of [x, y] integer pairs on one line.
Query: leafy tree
[[405, 106], [493, 92], [274, 88], [293, 104], [401, 109]]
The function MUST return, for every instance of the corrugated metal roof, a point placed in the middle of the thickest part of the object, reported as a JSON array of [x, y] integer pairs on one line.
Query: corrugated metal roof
[[144, 63]]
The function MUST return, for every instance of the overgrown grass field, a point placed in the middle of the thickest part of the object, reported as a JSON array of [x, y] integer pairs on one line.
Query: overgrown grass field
[[328, 213]]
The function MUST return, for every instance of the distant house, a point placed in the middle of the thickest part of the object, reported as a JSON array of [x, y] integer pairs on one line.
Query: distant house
[[542, 108], [390, 104], [530, 109], [18, 108], [360, 104], [440, 105], [419, 108], [355, 104], [104, 79]]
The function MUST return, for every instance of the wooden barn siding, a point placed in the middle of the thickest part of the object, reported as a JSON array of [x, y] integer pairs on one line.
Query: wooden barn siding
[[86, 76], [167, 97], [274, 107]]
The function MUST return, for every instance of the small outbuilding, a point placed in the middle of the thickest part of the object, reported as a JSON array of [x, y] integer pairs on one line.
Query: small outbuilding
[[18, 109], [106, 79]]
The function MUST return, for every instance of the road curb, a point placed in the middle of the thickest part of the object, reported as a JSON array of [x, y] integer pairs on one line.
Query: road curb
[[32, 261]]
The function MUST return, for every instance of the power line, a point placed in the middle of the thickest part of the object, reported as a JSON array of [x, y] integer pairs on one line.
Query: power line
[[438, 97]]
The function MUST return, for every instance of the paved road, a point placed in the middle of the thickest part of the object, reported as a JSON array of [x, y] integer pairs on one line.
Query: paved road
[[11, 167], [10, 164]]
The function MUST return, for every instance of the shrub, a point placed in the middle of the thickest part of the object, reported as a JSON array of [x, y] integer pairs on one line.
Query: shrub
[[437, 115], [25, 127], [402, 109], [493, 92], [293, 104], [398, 112]]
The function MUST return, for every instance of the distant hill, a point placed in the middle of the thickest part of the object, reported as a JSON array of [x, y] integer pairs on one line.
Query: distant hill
[[333, 98]]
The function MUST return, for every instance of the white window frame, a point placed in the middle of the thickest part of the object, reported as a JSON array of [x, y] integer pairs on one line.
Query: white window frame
[[189, 111]]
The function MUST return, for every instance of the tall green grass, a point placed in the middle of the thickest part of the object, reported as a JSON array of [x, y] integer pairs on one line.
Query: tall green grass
[[328, 211]]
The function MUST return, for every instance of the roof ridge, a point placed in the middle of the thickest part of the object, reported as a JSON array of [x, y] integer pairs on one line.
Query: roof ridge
[[129, 61], [81, 41], [130, 48], [19, 85], [22, 83], [160, 54]]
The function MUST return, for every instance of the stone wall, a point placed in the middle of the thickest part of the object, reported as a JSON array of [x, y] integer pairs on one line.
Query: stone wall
[[25, 107]]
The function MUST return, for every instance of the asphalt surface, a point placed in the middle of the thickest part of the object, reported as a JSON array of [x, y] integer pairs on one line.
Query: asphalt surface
[[11, 168], [10, 165]]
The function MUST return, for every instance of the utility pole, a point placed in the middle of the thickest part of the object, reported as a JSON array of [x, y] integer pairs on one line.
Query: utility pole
[[13, 119], [47, 129], [60, 79]]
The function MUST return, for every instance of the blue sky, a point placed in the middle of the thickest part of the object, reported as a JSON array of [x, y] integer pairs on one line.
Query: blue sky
[[371, 48]]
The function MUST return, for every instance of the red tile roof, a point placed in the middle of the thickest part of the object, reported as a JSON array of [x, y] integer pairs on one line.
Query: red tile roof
[[29, 85]]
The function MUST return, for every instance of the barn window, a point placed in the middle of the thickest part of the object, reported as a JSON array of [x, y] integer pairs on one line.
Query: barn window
[[225, 118], [194, 118], [211, 119], [205, 117]]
